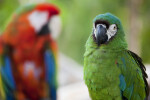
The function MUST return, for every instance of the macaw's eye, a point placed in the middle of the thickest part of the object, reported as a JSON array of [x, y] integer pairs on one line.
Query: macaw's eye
[[115, 27]]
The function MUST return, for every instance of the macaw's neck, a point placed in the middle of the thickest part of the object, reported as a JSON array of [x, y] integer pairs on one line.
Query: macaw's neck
[[116, 44]]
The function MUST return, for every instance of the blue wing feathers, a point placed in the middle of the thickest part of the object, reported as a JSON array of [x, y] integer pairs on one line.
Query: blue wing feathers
[[50, 72], [122, 83], [6, 72], [7, 78], [50, 66]]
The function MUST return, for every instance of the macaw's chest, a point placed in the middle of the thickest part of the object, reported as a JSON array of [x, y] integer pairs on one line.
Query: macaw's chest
[[29, 75], [101, 75]]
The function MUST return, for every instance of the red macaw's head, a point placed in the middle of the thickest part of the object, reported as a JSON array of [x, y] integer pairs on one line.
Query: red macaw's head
[[30, 23]]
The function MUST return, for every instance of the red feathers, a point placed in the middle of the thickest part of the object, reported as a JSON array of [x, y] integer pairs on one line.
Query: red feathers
[[53, 10], [1, 46]]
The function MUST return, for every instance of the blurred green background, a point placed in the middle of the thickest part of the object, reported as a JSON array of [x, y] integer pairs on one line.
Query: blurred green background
[[77, 16]]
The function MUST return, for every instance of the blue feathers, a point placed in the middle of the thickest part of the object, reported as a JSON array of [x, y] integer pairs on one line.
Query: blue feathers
[[7, 77], [6, 72], [122, 83], [50, 66], [50, 73], [53, 93]]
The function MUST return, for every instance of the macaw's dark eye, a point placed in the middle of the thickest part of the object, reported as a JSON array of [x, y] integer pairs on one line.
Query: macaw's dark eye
[[115, 27]]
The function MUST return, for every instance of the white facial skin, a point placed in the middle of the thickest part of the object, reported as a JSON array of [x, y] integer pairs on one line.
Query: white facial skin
[[55, 26], [38, 19], [94, 30], [111, 31]]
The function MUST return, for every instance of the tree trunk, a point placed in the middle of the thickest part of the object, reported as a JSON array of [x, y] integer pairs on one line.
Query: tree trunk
[[135, 26]]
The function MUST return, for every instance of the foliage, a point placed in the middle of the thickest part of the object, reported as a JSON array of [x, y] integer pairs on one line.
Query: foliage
[[6, 9], [145, 41]]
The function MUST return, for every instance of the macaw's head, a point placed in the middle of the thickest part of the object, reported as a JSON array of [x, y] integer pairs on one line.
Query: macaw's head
[[108, 32], [44, 18], [32, 21]]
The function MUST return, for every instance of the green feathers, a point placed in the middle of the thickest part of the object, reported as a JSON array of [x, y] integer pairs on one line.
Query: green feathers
[[134, 82], [101, 75], [111, 72], [25, 9]]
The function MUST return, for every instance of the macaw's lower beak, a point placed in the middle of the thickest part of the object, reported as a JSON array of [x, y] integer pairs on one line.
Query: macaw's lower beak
[[101, 36]]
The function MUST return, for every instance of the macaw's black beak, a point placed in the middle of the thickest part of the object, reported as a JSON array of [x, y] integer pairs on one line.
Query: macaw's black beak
[[101, 36], [45, 30]]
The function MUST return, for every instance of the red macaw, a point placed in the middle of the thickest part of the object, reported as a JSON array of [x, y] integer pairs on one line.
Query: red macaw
[[28, 55]]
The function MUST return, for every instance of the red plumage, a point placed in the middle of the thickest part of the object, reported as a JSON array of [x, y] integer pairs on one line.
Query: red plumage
[[24, 46]]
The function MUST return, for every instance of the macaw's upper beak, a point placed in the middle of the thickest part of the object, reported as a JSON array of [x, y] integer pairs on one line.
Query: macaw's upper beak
[[101, 36]]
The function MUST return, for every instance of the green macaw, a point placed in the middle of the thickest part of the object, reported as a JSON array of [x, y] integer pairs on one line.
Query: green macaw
[[111, 72]]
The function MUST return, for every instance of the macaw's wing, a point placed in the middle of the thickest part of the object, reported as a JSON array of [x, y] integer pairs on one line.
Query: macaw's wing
[[7, 84], [143, 69], [133, 82], [50, 63]]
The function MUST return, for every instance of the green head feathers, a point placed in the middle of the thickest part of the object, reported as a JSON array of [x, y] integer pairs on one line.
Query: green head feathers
[[25, 8], [107, 33], [111, 19]]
